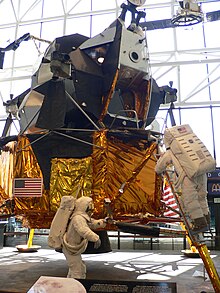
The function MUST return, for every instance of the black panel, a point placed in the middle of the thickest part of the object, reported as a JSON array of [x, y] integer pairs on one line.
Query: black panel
[[66, 43], [52, 112], [89, 91], [57, 145]]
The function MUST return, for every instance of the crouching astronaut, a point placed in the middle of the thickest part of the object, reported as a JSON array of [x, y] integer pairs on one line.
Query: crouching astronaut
[[79, 232], [193, 191]]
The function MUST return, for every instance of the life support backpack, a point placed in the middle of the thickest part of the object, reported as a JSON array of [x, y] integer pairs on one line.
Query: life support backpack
[[60, 222], [192, 154]]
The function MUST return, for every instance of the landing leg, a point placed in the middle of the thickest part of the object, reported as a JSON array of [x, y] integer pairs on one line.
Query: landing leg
[[201, 247]]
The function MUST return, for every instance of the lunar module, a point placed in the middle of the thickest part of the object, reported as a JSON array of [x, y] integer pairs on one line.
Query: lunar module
[[83, 128]]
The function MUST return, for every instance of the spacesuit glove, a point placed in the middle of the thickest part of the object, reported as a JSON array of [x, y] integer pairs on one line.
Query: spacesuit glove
[[97, 244], [108, 220]]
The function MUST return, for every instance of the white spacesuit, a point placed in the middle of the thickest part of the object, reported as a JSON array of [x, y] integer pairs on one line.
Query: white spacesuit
[[194, 191], [78, 234], [193, 188]]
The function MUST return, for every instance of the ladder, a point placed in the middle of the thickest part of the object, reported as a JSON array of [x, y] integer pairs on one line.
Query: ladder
[[194, 240]]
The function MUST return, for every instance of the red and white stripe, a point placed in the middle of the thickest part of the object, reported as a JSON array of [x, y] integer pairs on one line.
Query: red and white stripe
[[170, 201]]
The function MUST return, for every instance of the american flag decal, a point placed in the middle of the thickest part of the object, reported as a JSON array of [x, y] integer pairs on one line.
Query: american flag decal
[[27, 187]]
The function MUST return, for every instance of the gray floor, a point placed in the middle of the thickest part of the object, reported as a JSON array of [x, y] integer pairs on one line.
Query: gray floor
[[19, 271]]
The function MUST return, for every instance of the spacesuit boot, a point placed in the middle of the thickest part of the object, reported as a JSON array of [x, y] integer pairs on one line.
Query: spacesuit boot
[[208, 219], [199, 225]]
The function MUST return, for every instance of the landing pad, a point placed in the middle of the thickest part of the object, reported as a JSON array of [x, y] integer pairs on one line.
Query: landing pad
[[26, 248]]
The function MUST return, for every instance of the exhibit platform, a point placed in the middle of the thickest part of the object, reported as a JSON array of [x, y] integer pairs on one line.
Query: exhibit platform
[[20, 271]]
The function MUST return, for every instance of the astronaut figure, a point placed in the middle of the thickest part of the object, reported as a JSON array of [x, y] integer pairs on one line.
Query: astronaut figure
[[190, 178], [79, 232]]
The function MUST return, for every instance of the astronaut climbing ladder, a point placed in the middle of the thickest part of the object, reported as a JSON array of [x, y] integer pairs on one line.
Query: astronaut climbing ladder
[[191, 161]]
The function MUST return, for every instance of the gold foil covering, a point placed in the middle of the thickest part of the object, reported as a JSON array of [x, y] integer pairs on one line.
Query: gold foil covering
[[26, 165], [69, 177], [120, 171], [119, 165], [6, 178], [106, 100], [3, 197], [7, 169]]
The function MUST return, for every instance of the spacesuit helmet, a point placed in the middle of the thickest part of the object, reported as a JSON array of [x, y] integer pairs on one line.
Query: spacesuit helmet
[[168, 138], [84, 204], [90, 208]]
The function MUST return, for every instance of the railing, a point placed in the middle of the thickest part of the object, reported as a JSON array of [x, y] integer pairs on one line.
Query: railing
[[152, 240], [119, 235]]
